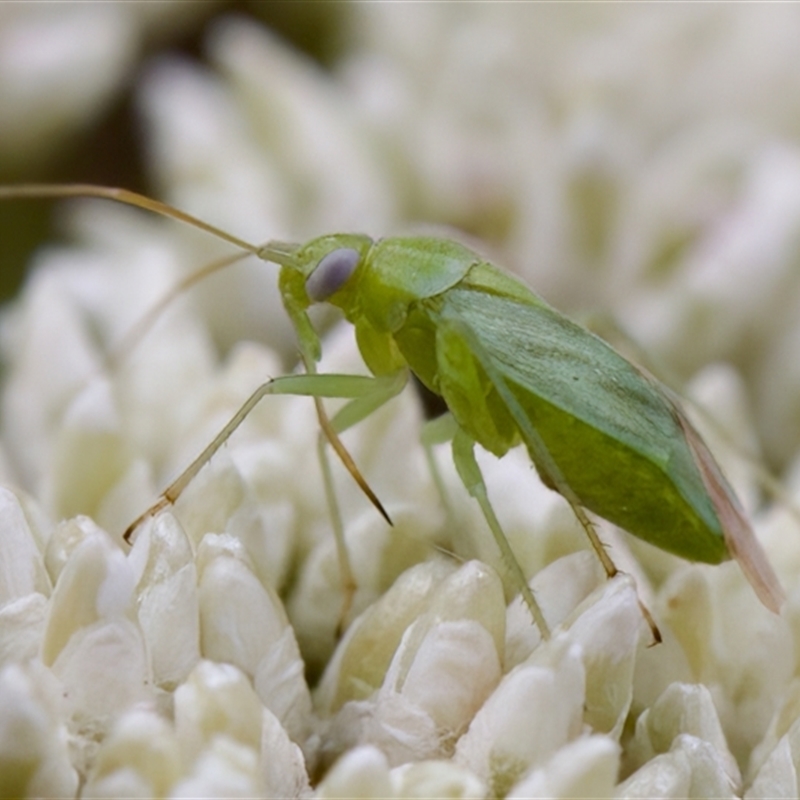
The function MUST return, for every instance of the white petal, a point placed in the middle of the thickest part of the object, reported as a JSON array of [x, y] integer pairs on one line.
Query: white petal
[[226, 768], [22, 625], [777, 776], [444, 667], [607, 627], [282, 761], [140, 755], [426, 779], [586, 768], [22, 569], [33, 739], [361, 773], [95, 584], [558, 588], [683, 709], [90, 453], [692, 770], [533, 712], [167, 600], [243, 623], [216, 700], [359, 665]]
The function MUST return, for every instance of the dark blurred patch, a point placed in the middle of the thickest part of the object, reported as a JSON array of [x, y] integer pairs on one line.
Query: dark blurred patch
[[433, 405], [109, 151], [312, 26]]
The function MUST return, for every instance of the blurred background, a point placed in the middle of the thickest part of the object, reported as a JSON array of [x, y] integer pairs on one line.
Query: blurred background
[[68, 78], [637, 160]]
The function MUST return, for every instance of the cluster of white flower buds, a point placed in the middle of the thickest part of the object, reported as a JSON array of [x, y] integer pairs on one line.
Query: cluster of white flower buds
[[604, 157]]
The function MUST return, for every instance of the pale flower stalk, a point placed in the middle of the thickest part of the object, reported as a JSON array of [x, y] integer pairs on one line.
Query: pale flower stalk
[[613, 168]]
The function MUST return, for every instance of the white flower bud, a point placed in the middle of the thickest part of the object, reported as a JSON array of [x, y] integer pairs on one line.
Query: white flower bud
[[533, 712], [225, 768], [90, 452], [216, 700], [141, 754], [558, 588], [776, 774], [682, 709], [34, 754], [218, 705], [607, 627], [24, 584], [283, 765], [691, 770], [22, 624], [244, 623], [751, 681], [586, 768], [426, 779], [446, 664], [49, 354], [22, 569], [92, 644], [96, 585], [167, 599], [359, 665], [378, 555], [360, 774]]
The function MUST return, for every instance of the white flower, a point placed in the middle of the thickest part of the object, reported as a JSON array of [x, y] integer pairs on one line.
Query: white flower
[[586, 767], [243, 623], [33, 736], [445, 664], [362, 773], [141, 755], [691, 769], [167, 600]]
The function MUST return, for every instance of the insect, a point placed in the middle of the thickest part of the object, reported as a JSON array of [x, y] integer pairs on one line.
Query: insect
[[511, 369]]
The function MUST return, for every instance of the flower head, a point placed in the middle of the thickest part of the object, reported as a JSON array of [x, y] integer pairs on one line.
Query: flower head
[[603, 154]]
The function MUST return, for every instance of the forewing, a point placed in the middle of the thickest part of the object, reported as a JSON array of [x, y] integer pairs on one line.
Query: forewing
[[552, 358], [549, 355], [739, 535]]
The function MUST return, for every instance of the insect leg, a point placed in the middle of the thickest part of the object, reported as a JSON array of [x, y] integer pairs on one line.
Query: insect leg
[[347, 386], [540, 454], [470, 474], [348, 581], [384, 389], [437, 431], [361, 406]]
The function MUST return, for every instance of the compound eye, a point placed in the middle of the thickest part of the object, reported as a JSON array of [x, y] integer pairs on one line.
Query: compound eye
[[332, 272]]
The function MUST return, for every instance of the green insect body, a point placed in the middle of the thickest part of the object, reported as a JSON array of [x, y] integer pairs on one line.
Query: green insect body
[[511, 370], [610, 430], [611, 438]]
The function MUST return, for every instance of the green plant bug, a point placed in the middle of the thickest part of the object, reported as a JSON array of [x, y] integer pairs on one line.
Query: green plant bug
[[511, 369]]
